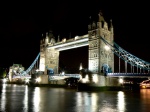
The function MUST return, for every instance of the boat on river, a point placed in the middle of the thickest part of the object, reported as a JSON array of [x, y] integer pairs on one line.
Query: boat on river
[[145, 84]]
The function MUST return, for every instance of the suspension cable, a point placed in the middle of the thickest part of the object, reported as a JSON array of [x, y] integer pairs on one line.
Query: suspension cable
[[126, 56]]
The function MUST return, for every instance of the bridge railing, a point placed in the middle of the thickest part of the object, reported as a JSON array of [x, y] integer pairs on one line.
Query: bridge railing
[[128, 74], [68, 75]]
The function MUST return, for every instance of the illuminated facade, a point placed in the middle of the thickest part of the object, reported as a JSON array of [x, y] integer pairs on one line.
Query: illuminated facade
[[98, 55], [49, 58], [15, 70]]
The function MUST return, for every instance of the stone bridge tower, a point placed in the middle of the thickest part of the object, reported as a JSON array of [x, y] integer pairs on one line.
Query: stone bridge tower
[[99, 54], [49, 58]]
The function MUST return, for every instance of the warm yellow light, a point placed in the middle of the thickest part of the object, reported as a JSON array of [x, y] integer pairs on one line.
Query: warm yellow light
[[76, 37], [27, 80], [107, 47], [85, 80], [38, 79], [121, 80], [143, 86], [95, 78], [80, 66]]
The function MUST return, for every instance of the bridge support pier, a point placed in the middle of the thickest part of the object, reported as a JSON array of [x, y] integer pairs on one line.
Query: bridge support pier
[[102, 83], [107, 81]]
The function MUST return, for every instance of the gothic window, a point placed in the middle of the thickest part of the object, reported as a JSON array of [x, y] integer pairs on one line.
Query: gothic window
[[95, 44], [102, 52], [92, 54], [94, 65], [93, 33], [103, 36], [97, 24], [89, 27], [95, 54]]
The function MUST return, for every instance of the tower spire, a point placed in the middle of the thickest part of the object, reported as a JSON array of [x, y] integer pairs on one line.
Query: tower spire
[[58, 39], [80, 68], [101, 18]]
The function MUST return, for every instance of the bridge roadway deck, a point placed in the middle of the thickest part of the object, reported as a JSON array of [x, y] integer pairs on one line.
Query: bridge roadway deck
[[130, 75], [59, 76], [53, 77]]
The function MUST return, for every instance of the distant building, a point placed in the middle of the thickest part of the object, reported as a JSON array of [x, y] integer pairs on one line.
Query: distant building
[[15, 70]]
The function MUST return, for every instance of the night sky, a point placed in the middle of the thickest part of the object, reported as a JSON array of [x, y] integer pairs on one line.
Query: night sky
[[22, 24]]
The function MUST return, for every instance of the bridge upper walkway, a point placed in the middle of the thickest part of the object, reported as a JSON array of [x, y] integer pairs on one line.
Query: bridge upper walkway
[[130, 75]]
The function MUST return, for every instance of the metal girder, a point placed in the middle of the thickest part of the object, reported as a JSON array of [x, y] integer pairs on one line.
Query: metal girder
[[127, 57], [31, 66]]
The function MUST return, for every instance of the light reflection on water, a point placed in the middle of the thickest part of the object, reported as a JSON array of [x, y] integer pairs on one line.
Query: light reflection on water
[[36, 99], [3, 97], [121, 101], [22, 98], [25, 101]]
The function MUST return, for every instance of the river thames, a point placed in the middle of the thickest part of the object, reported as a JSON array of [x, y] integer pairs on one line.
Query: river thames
[[22, 98]]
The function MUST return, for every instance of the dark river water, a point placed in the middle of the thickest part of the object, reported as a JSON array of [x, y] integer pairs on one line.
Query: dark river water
[[21, 98]]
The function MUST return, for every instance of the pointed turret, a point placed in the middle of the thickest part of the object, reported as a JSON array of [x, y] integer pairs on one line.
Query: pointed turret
[[111, 27], [70, 35], [46, 39], [93, 25], [50, 34], [101, 18], [58, 40], [89, 26], [111, 31], [80, 68], [41, 39]]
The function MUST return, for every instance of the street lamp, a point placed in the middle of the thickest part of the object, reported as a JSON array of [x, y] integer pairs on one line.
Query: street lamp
[[107, 49]]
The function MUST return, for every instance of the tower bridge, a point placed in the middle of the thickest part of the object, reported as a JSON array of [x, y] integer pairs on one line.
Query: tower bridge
[[101, 48]]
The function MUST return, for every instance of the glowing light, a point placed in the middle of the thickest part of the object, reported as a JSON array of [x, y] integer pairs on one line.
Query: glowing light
[[143, 86], [4, 80], [95, 78], [27, 80], [63, 73], [38, 79], [121, 80], [3, 98], [80, 66], [25, 101], [80, 77], [36, 99], [76, 37], [121, 101], [86, 79], [64, 40], [107, 48]]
